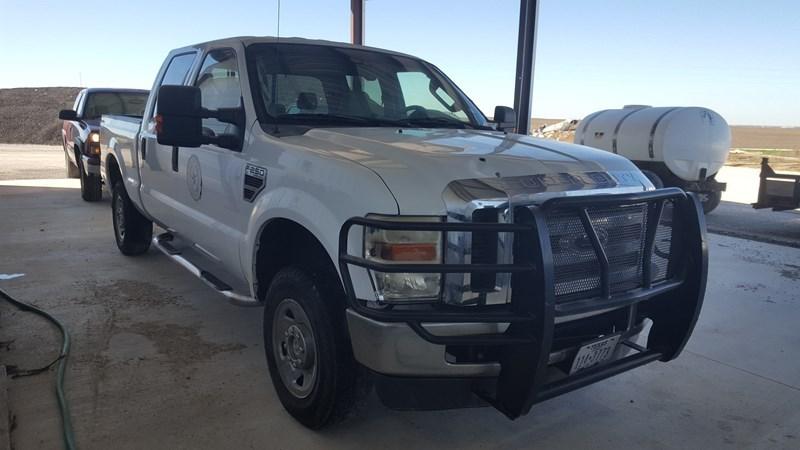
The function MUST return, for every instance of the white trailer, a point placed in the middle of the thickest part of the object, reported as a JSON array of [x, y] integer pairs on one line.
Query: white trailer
[[674, 146]]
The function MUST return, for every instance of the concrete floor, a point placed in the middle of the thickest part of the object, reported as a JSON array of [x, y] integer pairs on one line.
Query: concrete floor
[[161, 361]]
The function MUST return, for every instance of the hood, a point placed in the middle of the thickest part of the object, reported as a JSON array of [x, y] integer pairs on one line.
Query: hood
[[93, 124], [416, 163]]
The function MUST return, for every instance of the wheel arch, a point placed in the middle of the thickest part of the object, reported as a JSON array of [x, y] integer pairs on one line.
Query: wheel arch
[[283, 242], [113, 171]]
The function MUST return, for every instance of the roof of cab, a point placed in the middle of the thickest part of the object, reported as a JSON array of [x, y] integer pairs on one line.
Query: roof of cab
[[250, 40]]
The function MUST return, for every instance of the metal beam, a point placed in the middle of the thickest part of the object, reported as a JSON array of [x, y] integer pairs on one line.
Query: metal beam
[[526, 52], [357, 22]]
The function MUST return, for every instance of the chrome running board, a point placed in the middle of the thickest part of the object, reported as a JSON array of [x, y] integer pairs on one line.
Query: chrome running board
[[163, 243]]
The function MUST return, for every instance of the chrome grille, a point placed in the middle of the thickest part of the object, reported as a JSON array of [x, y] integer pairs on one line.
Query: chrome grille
[[621, 231]]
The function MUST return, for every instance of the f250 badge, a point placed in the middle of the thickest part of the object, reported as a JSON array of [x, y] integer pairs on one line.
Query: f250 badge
[[255, 178], [194, 178]]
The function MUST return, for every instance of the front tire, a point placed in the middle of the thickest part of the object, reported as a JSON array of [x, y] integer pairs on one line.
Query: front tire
[[308, 353], [91, 185], [132, 230]]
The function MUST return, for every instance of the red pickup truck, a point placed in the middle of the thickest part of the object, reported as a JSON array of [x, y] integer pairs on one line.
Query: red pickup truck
[[80, 135]]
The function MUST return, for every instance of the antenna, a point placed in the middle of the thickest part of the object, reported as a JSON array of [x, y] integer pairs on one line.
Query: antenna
[[278, 35]]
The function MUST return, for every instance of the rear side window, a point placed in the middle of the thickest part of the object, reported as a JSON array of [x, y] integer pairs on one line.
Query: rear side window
[[177, 69]]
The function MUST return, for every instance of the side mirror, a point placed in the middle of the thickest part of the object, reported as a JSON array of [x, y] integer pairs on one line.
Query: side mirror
[[505, 117], [179, 119], [67, 114]]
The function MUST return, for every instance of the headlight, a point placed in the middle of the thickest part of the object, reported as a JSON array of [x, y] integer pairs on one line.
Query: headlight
[[94, 137], [405, 247]]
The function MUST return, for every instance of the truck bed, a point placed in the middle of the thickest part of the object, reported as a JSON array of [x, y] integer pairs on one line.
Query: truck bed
[[118, 136]]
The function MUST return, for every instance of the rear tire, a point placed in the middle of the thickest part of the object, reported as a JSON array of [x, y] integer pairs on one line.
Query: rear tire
[[132, 230], [318, 381], [654, 178], [710, 200], [72, 169], [91, 185]]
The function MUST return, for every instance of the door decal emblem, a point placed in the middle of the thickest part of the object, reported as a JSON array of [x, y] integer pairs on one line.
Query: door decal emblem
[[194, 178], [255, 178]]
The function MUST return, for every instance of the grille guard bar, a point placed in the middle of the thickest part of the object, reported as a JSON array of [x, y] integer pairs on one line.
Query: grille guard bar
[[531, 313]]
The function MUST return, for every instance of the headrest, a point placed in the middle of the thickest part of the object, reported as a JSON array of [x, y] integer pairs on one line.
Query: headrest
[[307, 100]]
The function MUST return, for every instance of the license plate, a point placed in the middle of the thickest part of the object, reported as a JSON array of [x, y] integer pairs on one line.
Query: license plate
[[594, 353]]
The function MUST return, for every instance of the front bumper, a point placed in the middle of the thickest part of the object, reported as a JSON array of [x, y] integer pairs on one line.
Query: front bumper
[[523, 336]]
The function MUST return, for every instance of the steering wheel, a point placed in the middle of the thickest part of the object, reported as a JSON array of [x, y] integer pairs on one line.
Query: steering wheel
[[410, 110]]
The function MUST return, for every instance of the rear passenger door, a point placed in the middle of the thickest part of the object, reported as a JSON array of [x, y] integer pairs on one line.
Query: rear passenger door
[[162, 167]]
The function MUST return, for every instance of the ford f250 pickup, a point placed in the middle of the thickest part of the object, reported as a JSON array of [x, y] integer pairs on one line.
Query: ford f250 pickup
[[395, 237]]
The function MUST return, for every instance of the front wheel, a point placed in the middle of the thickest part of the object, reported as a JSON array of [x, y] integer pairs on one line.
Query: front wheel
[[132, 230], [309, 356]]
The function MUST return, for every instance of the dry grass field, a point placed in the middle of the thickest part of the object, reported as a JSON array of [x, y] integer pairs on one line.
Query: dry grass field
[[748, 145]]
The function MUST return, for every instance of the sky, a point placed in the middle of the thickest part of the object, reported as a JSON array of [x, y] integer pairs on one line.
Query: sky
[[739, 58]]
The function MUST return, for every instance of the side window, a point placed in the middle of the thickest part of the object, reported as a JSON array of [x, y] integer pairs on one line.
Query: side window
[[294, 94], [416, 90], [177, 70], [372, 92], [219, 85]]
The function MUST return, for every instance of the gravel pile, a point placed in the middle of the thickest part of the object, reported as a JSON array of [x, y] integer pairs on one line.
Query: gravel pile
[[30, 115]]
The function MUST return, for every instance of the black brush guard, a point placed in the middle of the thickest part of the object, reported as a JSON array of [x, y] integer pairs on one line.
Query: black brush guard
[[673, 305]]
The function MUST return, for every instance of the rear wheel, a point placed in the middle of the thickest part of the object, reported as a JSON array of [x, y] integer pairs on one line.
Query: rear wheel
[[710, 200], [132, 230], [91, 186], [72, 169], [308, 353]]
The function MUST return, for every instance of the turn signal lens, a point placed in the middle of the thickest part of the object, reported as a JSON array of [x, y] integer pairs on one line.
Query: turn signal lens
[[408, 252]]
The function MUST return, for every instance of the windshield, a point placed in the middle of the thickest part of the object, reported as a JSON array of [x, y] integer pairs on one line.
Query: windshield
[[332, 86], [118, 103]]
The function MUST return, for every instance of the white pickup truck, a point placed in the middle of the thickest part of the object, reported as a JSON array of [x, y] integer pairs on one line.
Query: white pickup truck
[[396, 238]]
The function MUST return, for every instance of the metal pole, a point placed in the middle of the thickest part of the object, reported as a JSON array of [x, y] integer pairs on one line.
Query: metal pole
[[357, 22], [526, 52]]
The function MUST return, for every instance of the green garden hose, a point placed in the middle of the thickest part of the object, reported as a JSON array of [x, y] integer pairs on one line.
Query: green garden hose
[[66, 423]]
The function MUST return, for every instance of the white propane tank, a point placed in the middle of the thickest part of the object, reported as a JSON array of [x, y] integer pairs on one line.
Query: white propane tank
[[685, 139]]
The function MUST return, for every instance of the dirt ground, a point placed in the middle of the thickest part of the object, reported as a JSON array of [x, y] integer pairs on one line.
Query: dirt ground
[[30, 115]]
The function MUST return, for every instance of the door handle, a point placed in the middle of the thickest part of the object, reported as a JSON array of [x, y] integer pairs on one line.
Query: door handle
[[175, 159], [144, 149]]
